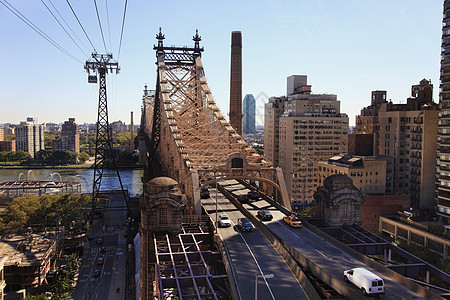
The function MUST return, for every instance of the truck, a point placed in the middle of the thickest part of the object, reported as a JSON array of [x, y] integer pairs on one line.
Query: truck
[[366, 281]]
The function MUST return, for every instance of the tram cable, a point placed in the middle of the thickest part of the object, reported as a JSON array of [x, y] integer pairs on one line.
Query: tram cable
[[42, 1], [100, 25], [36, 29], [121, 31], [73, 11], [68, 26]]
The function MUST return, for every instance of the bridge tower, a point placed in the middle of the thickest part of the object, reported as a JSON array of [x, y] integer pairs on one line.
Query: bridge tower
[[102, 63]]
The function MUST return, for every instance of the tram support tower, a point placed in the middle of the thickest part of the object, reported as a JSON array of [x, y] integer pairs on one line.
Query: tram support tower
[[104, 157]]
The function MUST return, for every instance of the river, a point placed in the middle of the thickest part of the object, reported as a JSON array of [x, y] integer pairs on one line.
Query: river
[[131, 178]]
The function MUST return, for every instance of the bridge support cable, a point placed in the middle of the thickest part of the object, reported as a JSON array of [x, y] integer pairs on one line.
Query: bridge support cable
[[104, 155]]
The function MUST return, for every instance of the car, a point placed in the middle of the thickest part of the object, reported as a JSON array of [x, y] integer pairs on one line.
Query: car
[[96, 273], [100, 261], [245, 225], [102, 249], [264, 215], [224, 221], [253, 195], [99, 241], [292, 221], [204, 193], [243, 198], [366, 281]]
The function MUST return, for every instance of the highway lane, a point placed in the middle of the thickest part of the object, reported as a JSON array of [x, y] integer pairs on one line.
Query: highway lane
[[323, 253], [251, 255]]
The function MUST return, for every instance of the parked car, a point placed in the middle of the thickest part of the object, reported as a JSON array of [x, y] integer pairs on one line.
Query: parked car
[[253, 195], [292, 221], [224, 221], [204, 193], [243, 198], [245, 225], [264, 215], [366, 281]]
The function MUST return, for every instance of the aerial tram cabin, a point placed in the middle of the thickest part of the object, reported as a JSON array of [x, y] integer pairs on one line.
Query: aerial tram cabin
[[92, 78]]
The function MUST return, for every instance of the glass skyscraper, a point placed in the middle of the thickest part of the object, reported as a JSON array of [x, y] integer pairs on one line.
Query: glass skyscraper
[[249, 113]]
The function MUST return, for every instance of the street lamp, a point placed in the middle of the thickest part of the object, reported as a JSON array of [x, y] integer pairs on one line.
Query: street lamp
[[266, 276]]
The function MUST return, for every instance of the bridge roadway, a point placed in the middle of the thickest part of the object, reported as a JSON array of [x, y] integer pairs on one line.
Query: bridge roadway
[[252, 253]]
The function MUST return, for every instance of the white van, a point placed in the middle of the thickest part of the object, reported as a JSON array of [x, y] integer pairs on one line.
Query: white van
[[366, 281]]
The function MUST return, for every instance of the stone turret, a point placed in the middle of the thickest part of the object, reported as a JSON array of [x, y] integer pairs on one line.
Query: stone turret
[[338, 201]]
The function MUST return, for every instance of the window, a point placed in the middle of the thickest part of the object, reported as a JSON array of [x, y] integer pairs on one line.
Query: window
[[163, 215]]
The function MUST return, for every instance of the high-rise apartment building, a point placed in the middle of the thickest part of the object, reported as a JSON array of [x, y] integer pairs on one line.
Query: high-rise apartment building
[[443, 148], [29, 137], [249, 113], [300, 130], [70, 136], [406, 135]]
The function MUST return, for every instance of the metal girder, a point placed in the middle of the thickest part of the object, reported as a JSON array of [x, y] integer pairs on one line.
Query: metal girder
[[183, 268]]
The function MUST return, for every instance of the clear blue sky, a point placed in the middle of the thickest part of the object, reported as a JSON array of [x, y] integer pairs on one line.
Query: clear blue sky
[[348, 48]]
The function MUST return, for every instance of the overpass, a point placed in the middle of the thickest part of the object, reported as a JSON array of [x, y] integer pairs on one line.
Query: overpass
[[185, 136]]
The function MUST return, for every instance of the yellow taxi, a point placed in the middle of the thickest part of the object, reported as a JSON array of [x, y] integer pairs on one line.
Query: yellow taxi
[[292, 221]]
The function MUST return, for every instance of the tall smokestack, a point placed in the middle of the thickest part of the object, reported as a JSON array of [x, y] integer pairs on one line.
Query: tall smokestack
[[236, 82], [131, 134]]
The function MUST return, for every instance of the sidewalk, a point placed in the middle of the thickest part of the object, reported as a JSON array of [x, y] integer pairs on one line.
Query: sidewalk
[[119, 271]]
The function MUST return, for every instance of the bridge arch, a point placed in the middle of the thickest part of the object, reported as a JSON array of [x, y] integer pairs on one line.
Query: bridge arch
[[278, 198]]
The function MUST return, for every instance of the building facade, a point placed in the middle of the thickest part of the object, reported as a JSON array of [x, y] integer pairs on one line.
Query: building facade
[[443, 148], [408, 137], [302, 129], [29, 137], [406, 134], [249, 114], [70, 136], [368, 173]]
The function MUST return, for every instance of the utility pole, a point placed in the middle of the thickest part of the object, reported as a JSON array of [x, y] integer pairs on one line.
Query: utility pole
[[102, 63]]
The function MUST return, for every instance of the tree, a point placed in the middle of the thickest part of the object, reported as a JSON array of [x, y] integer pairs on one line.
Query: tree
[[83, 157]]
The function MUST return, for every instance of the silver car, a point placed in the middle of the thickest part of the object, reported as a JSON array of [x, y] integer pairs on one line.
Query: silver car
[[224, 221]]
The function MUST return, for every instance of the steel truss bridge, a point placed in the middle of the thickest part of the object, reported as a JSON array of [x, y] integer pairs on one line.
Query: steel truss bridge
[[185, 131]]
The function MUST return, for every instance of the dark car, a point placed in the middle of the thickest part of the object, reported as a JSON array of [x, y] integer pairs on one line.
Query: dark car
[[254, 195], [264, 215], [243, 198], [245, 225], [103, 250], [204, 193], [96, 273], [99, 241]]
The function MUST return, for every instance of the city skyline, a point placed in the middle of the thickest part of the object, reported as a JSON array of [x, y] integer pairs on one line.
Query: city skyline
[[348, 49]]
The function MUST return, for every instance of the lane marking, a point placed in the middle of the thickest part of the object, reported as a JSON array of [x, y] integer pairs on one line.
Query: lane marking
[[321, 253], [251, 252]]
